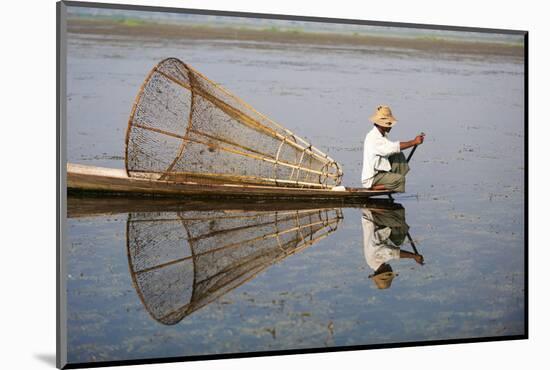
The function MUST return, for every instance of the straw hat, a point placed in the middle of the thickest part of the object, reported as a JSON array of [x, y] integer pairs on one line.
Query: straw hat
[[383, 280], [383, 116], [383, 276]]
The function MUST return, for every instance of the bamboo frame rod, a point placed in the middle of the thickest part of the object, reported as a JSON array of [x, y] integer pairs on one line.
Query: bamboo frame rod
[[267, 236], [246, 261], [238, 228], [132, 114], [163, 265], [282, 256], [234, 178], [255, 214], [249, 121], [183, 144], [237, 244], [184, 310], [266, 155], [299, 167], [226, 149], [227, 92], [253, 271]]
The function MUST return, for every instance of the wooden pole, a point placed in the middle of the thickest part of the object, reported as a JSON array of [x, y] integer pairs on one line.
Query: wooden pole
[[412, 243], [411, 153]]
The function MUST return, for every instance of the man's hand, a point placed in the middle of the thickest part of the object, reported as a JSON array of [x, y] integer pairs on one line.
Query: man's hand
[[409, 144], [419, 139], [419, 259]]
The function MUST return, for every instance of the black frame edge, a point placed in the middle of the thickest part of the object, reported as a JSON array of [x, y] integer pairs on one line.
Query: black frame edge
[[57, 187], [289, 352], [526, 181], [61, 55]]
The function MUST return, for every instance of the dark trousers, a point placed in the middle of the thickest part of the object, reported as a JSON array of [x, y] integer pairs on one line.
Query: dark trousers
[[394, 180]]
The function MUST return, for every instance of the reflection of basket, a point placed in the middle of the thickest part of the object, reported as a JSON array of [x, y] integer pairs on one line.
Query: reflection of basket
[[184, 127], [182, 261]]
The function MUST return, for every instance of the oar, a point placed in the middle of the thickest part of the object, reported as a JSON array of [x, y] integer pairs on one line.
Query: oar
[[414, 247], [408, 159], [413, 149], [411, 153], [412, 243]]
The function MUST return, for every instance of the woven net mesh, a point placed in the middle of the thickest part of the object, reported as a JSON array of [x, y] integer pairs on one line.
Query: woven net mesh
[[184, 127], [181, 261]]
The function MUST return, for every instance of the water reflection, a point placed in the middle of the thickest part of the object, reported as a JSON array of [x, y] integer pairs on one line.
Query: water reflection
[[184, 255], [384, 232], [181, 261]]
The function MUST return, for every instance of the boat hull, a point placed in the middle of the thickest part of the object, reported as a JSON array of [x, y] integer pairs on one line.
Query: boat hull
[[90, 179]]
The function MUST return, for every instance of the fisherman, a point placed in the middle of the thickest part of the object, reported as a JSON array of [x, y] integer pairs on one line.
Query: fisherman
[[384, 164], [384, 231]]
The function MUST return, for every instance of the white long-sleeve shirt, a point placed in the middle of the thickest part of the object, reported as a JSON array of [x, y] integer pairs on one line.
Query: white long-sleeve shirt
[[376, 150], [377, 246]]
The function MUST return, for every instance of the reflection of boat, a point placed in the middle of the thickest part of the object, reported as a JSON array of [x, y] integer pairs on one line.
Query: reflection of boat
[[82, 178], [181, 261], [83, 205]]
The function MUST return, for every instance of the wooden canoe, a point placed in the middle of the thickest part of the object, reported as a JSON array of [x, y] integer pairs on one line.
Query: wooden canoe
[[90, 179]]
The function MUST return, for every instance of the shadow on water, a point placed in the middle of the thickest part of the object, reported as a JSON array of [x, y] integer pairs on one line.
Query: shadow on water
[[184, 255]]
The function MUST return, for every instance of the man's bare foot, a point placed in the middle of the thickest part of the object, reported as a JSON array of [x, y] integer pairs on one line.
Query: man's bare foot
[[378, 187]]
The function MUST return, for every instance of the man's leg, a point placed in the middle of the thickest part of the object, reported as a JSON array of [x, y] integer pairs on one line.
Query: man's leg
[[399, 163], [391, 181], [395, 219]]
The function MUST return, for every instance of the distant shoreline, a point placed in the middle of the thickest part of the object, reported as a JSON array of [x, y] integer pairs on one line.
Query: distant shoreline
[[159, 31]]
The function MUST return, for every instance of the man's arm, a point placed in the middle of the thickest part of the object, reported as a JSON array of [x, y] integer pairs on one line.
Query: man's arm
[[408, 144], [417, 257]]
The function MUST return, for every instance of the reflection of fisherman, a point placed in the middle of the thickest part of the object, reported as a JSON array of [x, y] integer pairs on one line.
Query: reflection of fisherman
[[383, 232]]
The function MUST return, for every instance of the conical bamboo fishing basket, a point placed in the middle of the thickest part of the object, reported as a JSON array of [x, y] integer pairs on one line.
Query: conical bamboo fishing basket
[[181, 261], [184, 127]]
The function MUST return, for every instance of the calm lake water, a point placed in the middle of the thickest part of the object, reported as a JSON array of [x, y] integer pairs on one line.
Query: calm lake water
[[165, 282]]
